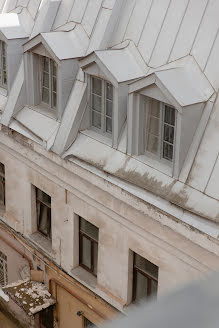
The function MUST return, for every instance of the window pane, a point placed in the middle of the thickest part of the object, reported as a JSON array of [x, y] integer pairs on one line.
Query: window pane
[[54, 83], [108, 125], [95, 255], [109, 91], [141, 286], [154, 126], [169, 116], [86, 252], [53, 67], [45, 64], [3, 49], [46, 80], [54, 99], [109, 108], [5, 78], [146, 266], [2, 191], [152, 145], [96, 86], [155, 108], [168, 133], [45, 95], [96, 120], [42, 196], [4, 63], [167, 151], [96, 103], [2, 169], [90, 229], [44, 220]]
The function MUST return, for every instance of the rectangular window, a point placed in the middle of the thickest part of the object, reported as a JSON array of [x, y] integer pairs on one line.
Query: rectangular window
[[160, 130], [3, 65], [88, 324], [46, 318], [49, 79], [3, 270], [43, 203], [101, 105], [88, 246], [145, 278], [2, 185]]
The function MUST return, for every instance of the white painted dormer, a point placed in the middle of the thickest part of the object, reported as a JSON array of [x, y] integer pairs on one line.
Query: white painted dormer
[[166, 116], [107, 79]]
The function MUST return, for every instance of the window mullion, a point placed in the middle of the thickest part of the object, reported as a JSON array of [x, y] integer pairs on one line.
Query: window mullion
[[103, 108], [1, 63], [50, 84]]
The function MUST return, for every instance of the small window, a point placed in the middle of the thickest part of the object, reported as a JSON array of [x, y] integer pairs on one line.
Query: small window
[[48, 82], [43, 203], [160, 131], [145, 278], [3, 270], [88, 324], [88, 246], [46, 318], [101, 105], [3, 65], [2, 185]]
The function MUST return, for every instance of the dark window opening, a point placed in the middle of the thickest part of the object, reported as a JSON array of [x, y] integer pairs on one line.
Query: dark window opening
[[46, 318], [88, 246], [43, 203], [2, 185], [145, 278]]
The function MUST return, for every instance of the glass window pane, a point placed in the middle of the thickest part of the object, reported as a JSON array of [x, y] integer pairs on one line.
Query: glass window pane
[[53, 67], [54, 84], [95, 255], [46, 80], [90, 229], [5, 78], [141, 286], [155, 108], [86, 252], [96, 120], [45, 95], [146, 266], [154, 126], [108, 125], [109, 108], [109, 91], [96, 103], [169, 116], [2, 191], [168, 133], [44, 219], [4, 63], [152, 144], [3, 49], [54, 100], [167, 151], [45, 64], [96, 86], [42, 196]]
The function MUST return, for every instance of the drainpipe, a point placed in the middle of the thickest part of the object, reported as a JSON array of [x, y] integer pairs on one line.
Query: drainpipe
[[80, 299]]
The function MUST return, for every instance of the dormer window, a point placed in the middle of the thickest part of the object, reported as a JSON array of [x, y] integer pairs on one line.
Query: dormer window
[[49, 78], [160, 129], [3, 65], [101, 105]]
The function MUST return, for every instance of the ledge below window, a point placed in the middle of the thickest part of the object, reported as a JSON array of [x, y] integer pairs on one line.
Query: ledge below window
[[155, 163], [98, 136], [42, 242]]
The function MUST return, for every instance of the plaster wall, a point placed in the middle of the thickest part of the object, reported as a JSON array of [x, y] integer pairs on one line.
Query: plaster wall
[[122, 228]]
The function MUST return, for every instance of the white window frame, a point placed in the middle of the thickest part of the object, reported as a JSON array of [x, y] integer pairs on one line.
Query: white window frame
[[103, 114], [3, 270], [49, 105], [3, 71], [161, 141]]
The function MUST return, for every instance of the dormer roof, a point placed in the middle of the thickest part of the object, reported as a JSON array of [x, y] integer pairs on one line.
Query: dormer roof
[[10, 27]]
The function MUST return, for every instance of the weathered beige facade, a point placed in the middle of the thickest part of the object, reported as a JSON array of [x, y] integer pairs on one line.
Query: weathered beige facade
[[75, 59]]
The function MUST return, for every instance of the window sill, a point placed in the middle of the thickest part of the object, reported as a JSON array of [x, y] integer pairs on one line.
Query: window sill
[[98, 136], [156, 164], [84, 277], [42, 242], [49, 112], [3, 92], [88, 280]]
